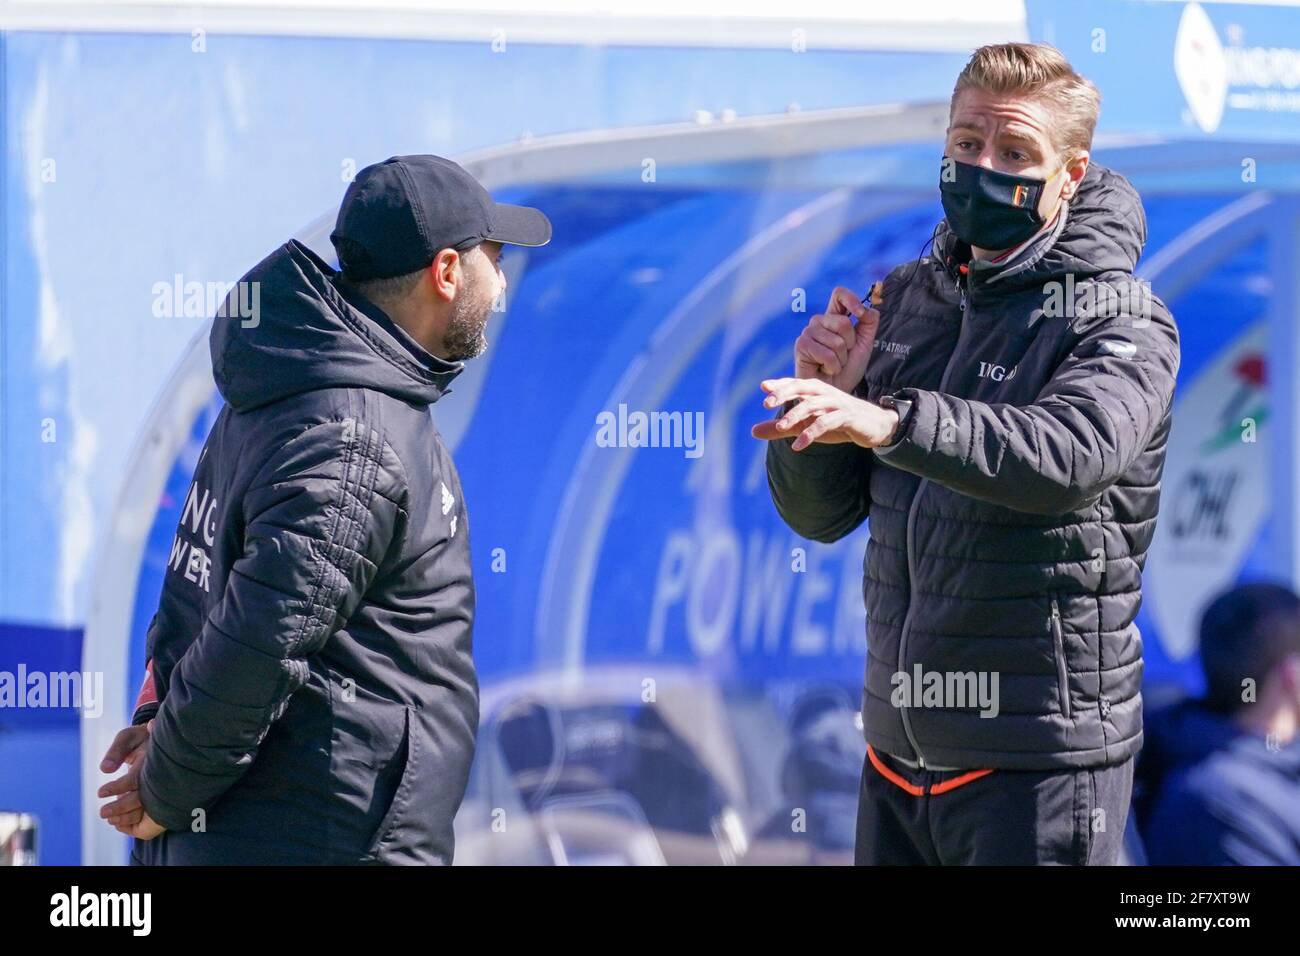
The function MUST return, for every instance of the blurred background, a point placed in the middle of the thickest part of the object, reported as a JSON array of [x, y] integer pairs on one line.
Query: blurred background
[[658, 686]]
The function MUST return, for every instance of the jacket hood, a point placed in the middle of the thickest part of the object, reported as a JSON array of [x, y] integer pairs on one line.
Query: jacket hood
[[305, 335], [1105, 231]]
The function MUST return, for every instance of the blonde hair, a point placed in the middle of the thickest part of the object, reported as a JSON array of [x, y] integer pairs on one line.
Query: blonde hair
[[1042, 72]]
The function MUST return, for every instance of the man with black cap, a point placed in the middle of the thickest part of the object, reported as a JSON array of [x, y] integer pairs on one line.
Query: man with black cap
[[311, 694]]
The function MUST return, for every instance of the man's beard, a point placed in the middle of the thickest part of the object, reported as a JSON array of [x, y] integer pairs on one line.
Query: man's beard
[[465, 337]]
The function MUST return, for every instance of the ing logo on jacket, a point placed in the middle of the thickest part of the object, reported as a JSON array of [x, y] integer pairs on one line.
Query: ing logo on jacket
[[198, 518]]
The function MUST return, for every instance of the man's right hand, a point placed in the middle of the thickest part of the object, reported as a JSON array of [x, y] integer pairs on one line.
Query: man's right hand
[[128, 747], [835, 348]]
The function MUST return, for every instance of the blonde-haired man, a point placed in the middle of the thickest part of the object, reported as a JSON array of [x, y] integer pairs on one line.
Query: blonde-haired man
[[1001, 411]]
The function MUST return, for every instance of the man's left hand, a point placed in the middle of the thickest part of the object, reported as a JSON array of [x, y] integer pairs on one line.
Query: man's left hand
[[146, 829], [824, 414]]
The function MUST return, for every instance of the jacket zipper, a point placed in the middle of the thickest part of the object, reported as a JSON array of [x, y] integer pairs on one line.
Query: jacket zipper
[[1058, 646], [911, 532]]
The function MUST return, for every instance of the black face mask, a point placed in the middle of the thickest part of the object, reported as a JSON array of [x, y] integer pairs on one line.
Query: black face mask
[[988, 209]]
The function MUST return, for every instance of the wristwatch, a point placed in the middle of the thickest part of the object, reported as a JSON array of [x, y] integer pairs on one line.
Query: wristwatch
[[904, 408]]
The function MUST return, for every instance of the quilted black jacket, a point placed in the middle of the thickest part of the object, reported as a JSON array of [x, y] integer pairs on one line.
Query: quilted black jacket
[[1010, 523]]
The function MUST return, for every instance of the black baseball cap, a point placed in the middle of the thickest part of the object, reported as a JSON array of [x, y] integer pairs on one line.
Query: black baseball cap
[[399, 214]]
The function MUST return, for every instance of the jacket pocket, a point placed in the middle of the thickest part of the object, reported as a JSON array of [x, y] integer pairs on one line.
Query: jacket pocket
[[402, 795], [1058, 653]]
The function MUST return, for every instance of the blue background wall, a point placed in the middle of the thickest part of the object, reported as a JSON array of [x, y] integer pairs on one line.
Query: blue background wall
[[129, 159]]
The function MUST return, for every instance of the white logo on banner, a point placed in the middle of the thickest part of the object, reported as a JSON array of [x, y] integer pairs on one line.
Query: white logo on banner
[[1201, 67], [1215, 78]]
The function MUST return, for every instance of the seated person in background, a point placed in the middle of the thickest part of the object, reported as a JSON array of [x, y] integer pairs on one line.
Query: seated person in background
[[1220, 776]]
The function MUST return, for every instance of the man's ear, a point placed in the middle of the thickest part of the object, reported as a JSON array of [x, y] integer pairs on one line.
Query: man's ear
[[446, 274], [1075, 170]]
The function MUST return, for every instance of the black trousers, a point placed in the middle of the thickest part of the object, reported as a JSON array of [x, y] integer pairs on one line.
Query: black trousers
[[1005, 818]]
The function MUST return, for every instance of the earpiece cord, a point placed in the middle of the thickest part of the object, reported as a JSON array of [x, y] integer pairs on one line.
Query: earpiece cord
[[920, 255]]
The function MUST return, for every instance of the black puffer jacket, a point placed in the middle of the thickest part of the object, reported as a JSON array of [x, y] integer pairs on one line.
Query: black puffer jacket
[[1010, 523], [312, 647]]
